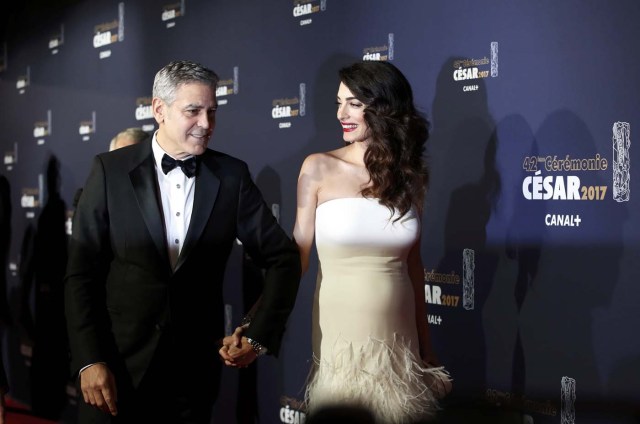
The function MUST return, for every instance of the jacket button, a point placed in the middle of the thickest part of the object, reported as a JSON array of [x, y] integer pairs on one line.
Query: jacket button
[[159, 327]]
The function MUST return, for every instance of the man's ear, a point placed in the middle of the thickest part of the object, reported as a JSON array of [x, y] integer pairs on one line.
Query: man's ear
[[159, 109]]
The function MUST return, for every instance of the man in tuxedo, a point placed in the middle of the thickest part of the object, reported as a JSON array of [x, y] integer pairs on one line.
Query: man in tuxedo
[[153, 230]]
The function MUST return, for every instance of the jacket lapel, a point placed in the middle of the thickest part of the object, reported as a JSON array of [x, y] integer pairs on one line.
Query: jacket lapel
[[144, 180]]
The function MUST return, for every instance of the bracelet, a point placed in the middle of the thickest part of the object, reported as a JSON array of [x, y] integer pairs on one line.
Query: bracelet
[[257, 347]]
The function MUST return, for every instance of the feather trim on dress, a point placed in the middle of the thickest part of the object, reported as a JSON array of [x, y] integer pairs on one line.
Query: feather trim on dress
[[388, 380]]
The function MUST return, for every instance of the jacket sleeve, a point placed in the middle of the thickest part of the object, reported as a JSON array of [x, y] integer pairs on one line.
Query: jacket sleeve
[[90, 339], [274, 251]]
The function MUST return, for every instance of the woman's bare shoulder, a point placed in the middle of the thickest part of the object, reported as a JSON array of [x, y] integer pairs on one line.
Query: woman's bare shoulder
[[322, 161]]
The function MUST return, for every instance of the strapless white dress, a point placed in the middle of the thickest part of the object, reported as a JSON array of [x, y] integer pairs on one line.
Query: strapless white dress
[[365, 341]]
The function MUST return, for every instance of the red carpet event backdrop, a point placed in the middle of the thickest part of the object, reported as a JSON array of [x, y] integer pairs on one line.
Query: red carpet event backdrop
[[530, 243]]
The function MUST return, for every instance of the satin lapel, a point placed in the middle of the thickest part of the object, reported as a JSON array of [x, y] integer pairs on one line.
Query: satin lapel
[[144, 181], [207, 186]]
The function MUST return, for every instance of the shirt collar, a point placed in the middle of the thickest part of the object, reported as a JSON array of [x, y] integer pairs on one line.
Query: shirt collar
[[158, 151]]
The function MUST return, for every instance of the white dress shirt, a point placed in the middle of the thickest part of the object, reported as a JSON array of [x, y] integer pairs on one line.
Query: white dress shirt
[[176, 192]]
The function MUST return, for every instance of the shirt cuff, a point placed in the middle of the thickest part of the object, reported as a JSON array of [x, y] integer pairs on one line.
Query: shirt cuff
[[87, 366]]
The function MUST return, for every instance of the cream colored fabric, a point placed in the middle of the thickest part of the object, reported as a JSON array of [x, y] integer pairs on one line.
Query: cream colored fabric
[[365, 342]]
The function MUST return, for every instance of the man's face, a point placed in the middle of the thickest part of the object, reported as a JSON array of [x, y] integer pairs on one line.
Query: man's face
[[186, 125]]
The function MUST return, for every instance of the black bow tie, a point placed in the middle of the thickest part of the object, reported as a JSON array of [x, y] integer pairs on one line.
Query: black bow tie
[[188, 166]]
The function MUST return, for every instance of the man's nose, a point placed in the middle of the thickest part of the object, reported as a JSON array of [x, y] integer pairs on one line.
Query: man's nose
[[204, 120]]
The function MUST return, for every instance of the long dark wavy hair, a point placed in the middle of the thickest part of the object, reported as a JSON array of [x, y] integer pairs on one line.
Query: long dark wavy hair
[[398, 134]]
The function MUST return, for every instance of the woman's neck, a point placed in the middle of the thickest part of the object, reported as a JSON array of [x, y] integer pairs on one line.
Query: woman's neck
[[355, 152]]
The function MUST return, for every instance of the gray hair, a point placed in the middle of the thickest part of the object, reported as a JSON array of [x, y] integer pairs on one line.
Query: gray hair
[[136, 134], [176, 73]]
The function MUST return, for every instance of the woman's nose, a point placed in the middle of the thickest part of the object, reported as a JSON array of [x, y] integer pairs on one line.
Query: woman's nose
[[342, 112]]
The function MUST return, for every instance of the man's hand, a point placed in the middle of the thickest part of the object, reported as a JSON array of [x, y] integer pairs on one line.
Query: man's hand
[[234, 339], [236, 350], [98, 387]]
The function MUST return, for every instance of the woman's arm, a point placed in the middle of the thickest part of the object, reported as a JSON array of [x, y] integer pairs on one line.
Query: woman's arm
[[416, 273], [303, 233], [307, 200]]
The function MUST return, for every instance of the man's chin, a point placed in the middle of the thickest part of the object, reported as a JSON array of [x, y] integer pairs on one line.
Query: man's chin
[[198, 148]]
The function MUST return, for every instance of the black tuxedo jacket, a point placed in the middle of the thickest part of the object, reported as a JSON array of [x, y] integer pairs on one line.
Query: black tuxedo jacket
[[121, 294]]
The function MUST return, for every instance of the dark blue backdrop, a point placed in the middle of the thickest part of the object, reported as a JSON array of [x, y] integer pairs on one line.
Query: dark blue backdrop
[[533, 301]]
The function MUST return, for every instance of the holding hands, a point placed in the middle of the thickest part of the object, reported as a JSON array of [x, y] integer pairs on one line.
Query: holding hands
[[236, 351]]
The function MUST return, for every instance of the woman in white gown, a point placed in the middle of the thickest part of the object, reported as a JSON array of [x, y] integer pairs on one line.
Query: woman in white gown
[[362, 204]]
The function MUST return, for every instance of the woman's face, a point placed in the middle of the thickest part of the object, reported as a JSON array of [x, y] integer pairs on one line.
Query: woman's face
[[351, 116]]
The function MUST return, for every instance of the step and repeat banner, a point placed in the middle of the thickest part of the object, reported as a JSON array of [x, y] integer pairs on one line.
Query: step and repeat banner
[[530, 241]]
